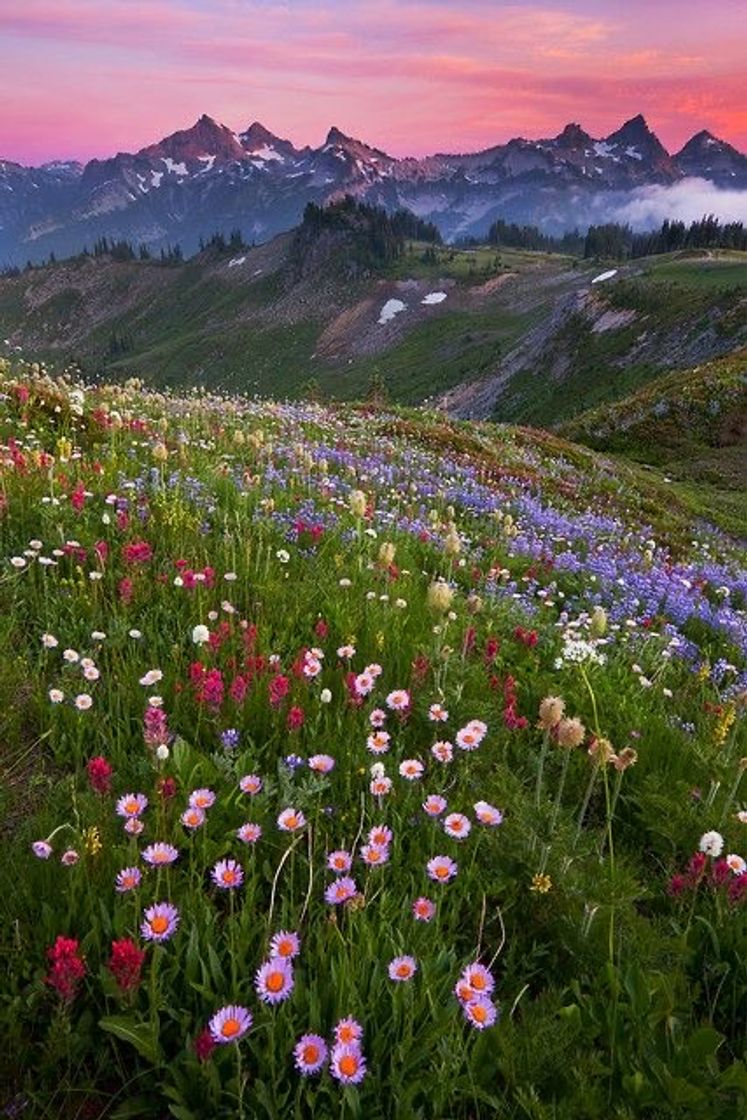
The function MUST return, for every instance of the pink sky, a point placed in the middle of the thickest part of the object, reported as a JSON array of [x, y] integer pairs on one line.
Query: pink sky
[[83, 78]]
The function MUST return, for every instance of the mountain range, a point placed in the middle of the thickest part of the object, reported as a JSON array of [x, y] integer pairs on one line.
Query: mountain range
[[208, 178]]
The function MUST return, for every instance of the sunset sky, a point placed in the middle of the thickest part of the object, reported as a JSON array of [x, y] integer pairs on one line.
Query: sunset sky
[[83, 78]]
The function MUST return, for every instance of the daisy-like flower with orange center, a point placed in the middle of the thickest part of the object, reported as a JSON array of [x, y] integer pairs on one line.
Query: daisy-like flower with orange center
[[160, 855], [434, 805], [411, 769], [479, 979], [192, 817], [348, 1064], [160, 922], [251, 784], [342, 890], [402, 969], [322, 763], [399, 700], [201, 798], [442, 751], [487, 814], [378, 742], [285, 944], [290, 820], [339, 861], [128, 879], [230, 1024], [132, 805], [374, 855], [423, 909], [441, 869], [380, 835], [249, 832], [468, 739], [480, 1013], [274, 980], [380, 787], [227, 874], [310, 1053], [457, 826], [348, 1032], [437, 713]]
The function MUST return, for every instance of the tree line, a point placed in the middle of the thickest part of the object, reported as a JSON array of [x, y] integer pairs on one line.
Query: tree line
[[619, 242]]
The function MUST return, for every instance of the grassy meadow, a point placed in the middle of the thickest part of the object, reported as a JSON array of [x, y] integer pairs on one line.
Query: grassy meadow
[[363, 764]]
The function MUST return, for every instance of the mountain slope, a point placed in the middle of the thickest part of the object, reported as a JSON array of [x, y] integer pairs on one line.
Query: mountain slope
[[208, 177], [483, 332]]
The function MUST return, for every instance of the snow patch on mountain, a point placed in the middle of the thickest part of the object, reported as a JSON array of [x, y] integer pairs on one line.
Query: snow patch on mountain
[[391, 308], [433, 298]]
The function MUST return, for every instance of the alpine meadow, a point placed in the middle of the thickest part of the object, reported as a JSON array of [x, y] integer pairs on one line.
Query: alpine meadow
[[373, 560]]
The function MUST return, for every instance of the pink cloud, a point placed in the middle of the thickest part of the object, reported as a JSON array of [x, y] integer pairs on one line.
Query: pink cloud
[[412, 77]]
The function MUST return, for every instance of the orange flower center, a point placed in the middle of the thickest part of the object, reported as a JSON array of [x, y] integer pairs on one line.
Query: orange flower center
[[229, 876], [275, 982], [159, 924], [285, 949], [348, 1065], [477, 981], [442, 871], [345, 1034], [291, 821], [310, 1054], [479, 1013], [230, 1028], [132, 807], [403, 970]]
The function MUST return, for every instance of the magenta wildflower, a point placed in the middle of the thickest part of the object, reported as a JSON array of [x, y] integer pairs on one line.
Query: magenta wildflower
[[41, 849]]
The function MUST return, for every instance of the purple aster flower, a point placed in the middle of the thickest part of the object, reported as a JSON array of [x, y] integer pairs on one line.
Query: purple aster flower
[[230, 1024]]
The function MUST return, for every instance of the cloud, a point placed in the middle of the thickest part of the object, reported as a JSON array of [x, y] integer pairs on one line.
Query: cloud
[[686, 201]]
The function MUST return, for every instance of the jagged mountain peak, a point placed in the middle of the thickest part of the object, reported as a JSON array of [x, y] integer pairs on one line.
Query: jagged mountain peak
[[206, 137], [573, 136]]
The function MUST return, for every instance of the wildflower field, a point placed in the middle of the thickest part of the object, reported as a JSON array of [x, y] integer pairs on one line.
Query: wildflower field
[[361, 764]]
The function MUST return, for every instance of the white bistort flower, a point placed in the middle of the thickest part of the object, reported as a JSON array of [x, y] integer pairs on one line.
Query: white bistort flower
[[712, 843]]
